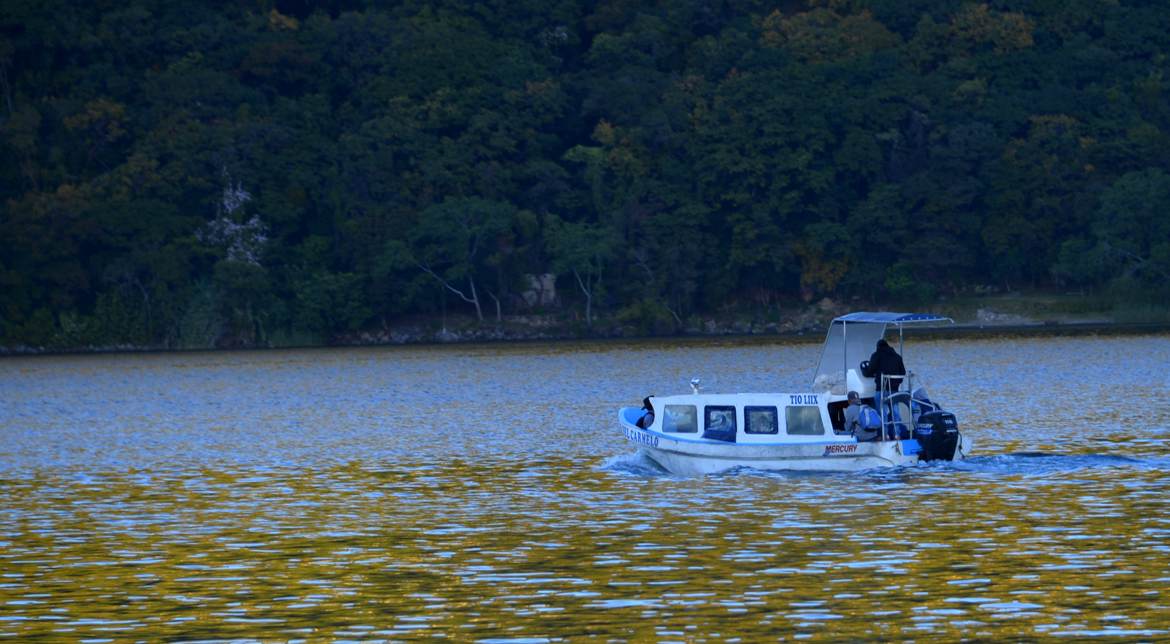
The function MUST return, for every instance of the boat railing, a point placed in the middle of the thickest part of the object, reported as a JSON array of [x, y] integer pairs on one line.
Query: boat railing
[[888, 410]]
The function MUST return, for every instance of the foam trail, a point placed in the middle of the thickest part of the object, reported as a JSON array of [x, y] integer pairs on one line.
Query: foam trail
[[1042, 463], [635, 463]]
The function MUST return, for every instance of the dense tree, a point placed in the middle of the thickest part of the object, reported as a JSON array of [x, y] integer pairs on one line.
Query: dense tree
[[583, 251], [210, 173], [464, 244], [1131, 226]]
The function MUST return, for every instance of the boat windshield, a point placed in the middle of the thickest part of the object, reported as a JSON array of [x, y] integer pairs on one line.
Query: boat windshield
[[845, 347]]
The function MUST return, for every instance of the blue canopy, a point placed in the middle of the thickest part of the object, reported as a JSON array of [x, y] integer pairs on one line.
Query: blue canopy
[[886, 317]]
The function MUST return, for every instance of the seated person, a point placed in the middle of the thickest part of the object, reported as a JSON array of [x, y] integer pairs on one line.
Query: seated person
[[862, 420], [647, 418], [853, 412]]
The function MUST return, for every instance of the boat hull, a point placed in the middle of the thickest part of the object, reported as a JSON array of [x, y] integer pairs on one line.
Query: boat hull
[[691, 457]]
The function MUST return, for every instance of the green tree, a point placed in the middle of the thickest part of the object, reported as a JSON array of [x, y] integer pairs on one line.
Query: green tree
[[456, 241], [1131, 226], [584, 250]]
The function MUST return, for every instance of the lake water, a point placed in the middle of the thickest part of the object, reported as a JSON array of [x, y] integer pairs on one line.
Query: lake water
[[485, 493]]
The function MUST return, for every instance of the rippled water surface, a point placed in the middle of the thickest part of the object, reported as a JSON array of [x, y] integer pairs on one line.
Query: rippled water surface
[[485, 493]]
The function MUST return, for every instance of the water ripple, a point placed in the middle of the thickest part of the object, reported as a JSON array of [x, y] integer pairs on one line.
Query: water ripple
[[445, 492]]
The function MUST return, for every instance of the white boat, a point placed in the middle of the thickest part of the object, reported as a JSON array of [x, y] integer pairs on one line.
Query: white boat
[[702, 433]]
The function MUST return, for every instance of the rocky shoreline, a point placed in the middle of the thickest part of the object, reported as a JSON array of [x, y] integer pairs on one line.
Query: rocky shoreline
[[806, 325], [811, 330]]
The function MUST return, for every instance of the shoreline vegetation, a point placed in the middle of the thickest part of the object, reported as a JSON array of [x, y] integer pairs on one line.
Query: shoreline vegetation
[[1037, 315], [234, 175]]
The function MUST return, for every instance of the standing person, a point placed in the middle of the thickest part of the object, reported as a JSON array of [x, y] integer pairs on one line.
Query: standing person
[[884, 361]]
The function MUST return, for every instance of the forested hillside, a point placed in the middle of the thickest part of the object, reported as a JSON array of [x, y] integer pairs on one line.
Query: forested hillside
[[215, 173]]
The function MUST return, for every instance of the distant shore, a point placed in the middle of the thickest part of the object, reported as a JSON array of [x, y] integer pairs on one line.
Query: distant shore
[[805, 325]]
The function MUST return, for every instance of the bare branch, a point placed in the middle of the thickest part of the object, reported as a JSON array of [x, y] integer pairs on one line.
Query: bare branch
[[445, 283], [1140, 262], [584, 289], [588, 298], [640, 260]]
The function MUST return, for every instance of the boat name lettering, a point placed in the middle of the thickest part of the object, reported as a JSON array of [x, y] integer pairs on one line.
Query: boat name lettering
[[843, 448], [642, 437], [802, 399]]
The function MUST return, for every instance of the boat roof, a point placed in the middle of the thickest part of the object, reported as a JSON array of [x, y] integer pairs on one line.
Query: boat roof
[[888, 317]]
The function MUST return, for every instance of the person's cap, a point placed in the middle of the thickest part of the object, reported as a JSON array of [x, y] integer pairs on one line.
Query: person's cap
[[853, 395], [883, 343]]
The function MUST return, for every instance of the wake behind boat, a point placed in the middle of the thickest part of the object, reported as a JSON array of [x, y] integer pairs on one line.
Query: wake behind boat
[[893, 422]]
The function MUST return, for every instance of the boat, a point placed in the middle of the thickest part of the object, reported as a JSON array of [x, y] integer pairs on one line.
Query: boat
[[706, 433]]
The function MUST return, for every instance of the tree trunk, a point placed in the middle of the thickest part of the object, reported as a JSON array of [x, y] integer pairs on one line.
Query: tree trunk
[[475, 300], [588, 299], [499, 314], [146, 303]]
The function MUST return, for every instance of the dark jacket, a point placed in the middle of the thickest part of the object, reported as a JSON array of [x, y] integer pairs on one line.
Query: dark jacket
[[885, 361]]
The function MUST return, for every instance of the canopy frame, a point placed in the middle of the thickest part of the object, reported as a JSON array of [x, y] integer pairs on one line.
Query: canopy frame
[[872, 326]]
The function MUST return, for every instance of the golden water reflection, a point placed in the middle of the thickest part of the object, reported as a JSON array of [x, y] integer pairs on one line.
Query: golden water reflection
[[353, 526]]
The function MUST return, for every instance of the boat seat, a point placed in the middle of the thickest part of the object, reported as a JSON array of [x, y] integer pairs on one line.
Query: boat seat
[[898, 413], [898, 398], [919, 406]]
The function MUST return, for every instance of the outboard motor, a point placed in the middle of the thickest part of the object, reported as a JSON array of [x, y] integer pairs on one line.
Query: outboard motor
[[938, 434]]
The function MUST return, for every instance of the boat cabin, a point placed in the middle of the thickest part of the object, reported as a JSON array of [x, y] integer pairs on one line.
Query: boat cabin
[[743, 418]]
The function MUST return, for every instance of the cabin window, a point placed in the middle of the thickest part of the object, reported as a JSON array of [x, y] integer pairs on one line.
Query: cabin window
[[804, 421], [719, 418], [719, 422], [759, 420], [680, 419]]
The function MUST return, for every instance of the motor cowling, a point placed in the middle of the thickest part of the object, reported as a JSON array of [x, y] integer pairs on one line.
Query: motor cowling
[[938, 434]]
